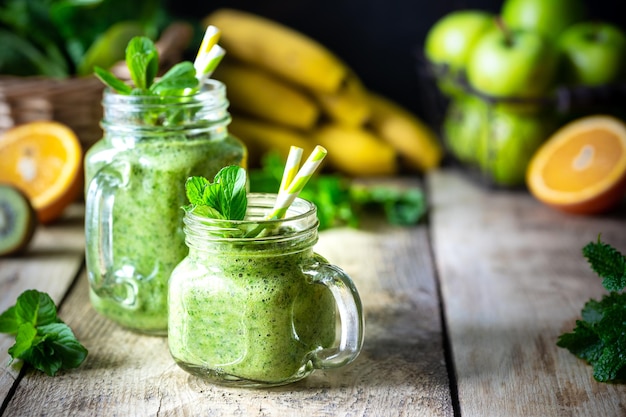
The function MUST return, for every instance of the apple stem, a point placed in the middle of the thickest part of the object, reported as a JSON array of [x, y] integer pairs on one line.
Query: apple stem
[[508, 36]]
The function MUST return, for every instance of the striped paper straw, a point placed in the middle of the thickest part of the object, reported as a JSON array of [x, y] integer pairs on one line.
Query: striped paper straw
[[208, 62], [291, 168], [284, 200], [211, 36]]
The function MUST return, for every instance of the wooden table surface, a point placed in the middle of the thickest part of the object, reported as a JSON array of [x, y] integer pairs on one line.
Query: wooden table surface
[[462, 315]]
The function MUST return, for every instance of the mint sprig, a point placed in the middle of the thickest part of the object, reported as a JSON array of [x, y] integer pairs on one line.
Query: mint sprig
[[225, 198], [41, 338], [599, 337], [142, 60]]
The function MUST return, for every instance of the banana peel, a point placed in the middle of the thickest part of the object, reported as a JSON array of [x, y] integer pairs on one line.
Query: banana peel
[[278, 49], [257, 93], [355, 151], [414, 140]]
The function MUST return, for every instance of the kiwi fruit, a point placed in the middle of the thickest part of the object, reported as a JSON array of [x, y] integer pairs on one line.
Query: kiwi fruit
[[17, 220]]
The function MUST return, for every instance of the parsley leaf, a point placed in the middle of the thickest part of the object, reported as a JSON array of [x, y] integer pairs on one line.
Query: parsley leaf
[[225, 198], [41, 338], [599, 337]]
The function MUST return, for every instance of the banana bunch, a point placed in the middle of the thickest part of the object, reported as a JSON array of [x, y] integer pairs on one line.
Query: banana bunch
[[286, 89]]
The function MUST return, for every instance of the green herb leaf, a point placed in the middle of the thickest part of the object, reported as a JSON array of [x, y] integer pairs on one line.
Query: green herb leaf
[[599, 338], [36, 308], [41, 338], [142, 59], [112, 81], [225, 198], [608, 263], [179, 78]]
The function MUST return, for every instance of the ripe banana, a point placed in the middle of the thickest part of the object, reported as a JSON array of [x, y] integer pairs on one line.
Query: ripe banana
[[255, 92], [278, 49], [355, 151], [349, 105], [416, 143], [261, 137]]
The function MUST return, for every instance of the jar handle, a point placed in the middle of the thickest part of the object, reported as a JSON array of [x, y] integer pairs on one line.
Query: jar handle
[[350, 313], [100, 200]]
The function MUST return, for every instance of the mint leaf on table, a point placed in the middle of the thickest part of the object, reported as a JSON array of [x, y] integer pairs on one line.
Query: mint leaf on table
[[608, 263], [599, 337], [225, 198], [41, 338]]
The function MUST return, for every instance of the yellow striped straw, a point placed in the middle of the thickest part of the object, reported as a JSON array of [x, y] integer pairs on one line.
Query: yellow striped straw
[[284, 199], [211, 36], [208, 62], [209, 54], [291, 167]]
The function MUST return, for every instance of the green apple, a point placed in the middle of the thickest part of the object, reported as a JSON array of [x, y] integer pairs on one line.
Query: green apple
[[450, 40], [548, 17], [464, 121], [594, 53], [513, 64], [509, 142]]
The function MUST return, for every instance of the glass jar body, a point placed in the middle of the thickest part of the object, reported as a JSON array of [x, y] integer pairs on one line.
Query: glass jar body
[[254, 312], [135, 178]]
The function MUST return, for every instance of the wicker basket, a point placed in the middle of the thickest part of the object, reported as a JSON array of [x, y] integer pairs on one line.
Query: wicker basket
[[74, 102]]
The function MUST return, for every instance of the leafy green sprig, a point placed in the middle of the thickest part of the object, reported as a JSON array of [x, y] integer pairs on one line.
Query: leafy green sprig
[[599, 337], [225, 198], [142, 60], [42, 339]]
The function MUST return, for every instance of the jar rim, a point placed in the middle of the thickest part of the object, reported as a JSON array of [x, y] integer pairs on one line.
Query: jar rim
[[300, 219]]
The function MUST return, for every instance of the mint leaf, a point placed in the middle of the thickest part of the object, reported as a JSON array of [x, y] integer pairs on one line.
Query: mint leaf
[[599, 338], [142, 59], [231, 196], [56, 348], [112, 81], [180, 77], [225, 198], [36, 308], [8, 321], [41, 338], [608, 263]]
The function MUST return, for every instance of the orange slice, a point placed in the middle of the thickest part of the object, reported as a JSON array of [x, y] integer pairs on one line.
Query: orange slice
[[44, 160], [582, 167]]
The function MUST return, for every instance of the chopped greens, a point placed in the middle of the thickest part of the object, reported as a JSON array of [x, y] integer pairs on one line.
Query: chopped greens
[[41, 338], [599, 337]]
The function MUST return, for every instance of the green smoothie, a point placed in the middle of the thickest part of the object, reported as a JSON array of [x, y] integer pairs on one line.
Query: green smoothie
[[143, 184], [248, 315]]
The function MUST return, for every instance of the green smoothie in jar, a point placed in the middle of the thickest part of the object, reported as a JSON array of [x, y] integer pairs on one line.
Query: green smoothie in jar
[[156, 135], [252, 304]]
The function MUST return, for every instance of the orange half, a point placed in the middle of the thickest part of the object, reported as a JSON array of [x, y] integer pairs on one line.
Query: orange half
[[582, 167], [44, 160]]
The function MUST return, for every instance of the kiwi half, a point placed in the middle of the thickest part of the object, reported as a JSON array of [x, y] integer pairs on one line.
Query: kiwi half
[[17, 220]]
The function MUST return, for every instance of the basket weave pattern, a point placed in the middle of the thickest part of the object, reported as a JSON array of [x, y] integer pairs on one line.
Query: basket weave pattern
[[75, 102]]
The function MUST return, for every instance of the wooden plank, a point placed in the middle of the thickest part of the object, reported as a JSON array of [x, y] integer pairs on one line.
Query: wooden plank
[[51, 263], [513, 279], [401, 371]]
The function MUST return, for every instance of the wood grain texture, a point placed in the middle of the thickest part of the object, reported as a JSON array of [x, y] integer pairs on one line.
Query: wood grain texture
[[400, 372], [513, 279]]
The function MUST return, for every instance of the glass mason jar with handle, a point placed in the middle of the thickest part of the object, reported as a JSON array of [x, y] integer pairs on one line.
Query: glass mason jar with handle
[[134, 187], [253, 305]]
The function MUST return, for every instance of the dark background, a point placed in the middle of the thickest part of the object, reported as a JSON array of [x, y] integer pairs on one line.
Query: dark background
[[379, 39]]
